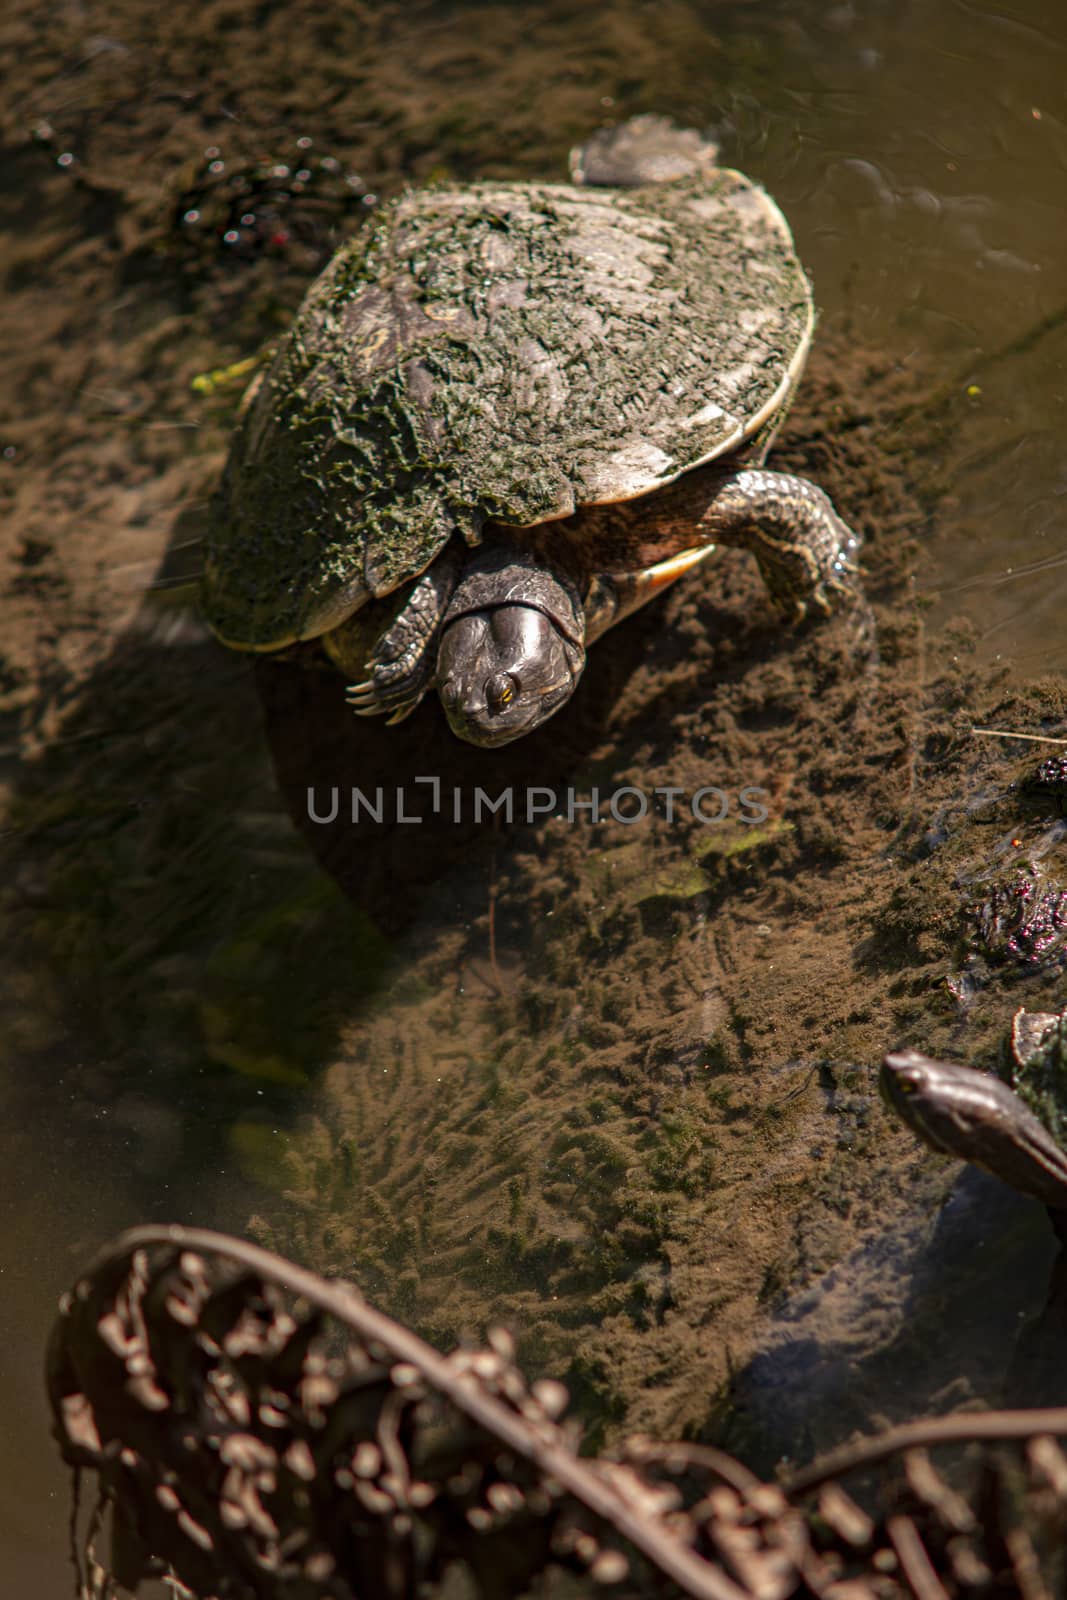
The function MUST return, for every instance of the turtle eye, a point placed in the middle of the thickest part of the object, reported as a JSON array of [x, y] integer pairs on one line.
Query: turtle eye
[[500, 690]]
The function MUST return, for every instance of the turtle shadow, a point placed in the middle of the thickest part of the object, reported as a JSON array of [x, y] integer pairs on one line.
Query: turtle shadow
[[388, 811], [181, 968], [196, 956]]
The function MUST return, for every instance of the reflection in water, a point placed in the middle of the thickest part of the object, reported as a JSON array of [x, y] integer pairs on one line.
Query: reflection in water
[[183, 984], [925, 1315]]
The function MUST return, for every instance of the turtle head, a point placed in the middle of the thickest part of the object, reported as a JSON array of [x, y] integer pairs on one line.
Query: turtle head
[[512, 647]]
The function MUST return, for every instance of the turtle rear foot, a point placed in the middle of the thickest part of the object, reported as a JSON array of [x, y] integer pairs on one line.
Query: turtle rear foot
[[644, 150]]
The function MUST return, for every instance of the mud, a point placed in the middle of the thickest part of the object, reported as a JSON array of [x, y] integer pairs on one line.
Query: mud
[[612, 1084], [620, 1090]]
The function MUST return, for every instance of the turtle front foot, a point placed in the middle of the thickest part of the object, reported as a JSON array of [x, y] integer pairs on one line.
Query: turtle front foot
[[814, 578], [804, 550], [401, 666], [817, 576], [394, 688]]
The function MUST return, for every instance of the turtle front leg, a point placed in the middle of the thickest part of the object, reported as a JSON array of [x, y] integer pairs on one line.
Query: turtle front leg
[[403, 661], [803, 548]]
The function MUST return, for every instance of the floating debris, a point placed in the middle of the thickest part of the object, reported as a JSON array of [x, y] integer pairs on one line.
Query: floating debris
[[226, 205]]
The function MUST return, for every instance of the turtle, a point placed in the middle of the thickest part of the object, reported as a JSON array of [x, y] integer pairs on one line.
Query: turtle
[[509, 413], [1017, 1134]]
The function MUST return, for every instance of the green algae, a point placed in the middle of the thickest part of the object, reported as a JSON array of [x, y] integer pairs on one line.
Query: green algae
[[496, 352]]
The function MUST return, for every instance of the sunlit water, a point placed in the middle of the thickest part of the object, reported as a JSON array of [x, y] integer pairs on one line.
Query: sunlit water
[[920, 152]]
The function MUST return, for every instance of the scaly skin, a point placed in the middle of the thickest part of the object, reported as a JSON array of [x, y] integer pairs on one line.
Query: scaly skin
[[801, 545], [803, 548], [976, 1117]]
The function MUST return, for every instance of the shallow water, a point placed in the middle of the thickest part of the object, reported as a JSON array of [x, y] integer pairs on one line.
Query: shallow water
[[922, 152], [184, 985]]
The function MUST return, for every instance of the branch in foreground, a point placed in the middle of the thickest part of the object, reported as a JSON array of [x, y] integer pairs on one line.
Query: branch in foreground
[[260, 1433]]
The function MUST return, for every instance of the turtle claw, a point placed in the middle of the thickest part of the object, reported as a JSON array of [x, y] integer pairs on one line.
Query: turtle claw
[[835, 592], [401, 665], [822, 582], [393, 690], [361, 698]]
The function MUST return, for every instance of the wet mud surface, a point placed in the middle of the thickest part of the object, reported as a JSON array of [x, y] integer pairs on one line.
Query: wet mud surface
[[611, 1083], [619, 1085]]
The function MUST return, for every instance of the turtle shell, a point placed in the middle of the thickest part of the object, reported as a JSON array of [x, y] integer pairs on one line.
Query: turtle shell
[[504, 352]]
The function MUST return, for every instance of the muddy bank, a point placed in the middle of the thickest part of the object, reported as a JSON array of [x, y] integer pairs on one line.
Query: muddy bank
[[619, 1090], [619, 1087]]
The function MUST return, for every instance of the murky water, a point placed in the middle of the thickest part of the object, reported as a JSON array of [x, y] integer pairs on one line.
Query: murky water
[[921, 152], [184, 986]]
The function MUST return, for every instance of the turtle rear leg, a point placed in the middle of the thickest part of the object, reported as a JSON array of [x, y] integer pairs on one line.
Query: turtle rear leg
[[646, 149], [403, 660]]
